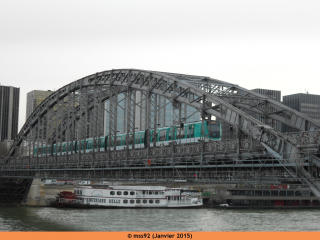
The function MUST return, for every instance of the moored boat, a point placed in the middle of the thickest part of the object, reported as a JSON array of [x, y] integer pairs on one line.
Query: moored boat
[[128, 197]]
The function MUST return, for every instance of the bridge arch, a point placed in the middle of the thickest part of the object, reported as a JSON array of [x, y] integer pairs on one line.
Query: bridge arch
[[74, 111]]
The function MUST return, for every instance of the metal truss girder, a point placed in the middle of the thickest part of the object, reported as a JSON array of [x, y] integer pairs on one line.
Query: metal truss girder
[[198, 92], [247, 99]]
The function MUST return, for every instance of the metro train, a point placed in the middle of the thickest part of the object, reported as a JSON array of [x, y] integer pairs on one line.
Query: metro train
[[186, 133]]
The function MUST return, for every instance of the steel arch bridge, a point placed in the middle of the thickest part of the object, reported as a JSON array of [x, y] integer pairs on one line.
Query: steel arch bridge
[[258, 154]]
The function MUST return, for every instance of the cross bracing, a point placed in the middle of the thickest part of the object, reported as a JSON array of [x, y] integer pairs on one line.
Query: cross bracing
[[75, 113]]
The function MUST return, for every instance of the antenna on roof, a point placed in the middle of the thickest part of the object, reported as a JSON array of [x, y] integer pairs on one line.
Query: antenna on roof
[[307, 91]]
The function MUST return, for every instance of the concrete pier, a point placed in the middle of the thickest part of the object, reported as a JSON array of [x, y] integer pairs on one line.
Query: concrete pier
[[40, 195]]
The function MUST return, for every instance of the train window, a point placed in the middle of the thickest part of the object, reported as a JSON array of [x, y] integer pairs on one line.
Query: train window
[[190, 132], [180, 135], [137, 138], [130, 139], [118, 141], [124, 140], [172, 134], [111, 142], [163, 135], [142, 137]]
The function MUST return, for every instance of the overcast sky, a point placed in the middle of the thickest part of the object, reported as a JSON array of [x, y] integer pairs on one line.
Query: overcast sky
[[271, 44]]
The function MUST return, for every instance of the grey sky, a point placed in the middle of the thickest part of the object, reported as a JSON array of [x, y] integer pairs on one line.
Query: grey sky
[[256, 44]]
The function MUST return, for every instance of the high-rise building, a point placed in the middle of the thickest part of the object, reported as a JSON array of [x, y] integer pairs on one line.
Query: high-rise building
[[308, 104], [34, 98], [9, 112]]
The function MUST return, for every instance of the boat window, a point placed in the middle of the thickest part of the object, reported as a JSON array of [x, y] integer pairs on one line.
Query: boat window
[[131, 201], [125, 193], [150, 201], [112, 193], [104, 200], [80, 192], [125, 201], [143, 192], [138, 201], [119, 192], [157, 201], [169, 198], [132, 193], [144, 201], [156, 193], [150, 193]]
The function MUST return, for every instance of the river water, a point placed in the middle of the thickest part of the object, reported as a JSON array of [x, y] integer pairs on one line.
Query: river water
[[204, 219]]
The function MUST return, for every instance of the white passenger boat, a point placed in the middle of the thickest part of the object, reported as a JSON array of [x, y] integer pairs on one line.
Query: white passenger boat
[[128, 197]]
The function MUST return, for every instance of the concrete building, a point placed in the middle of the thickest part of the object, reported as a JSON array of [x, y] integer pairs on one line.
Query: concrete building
[[9, 112], [34, 98], [308, 104]]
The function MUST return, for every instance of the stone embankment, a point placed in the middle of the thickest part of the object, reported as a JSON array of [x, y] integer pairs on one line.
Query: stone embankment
[[40, 195]]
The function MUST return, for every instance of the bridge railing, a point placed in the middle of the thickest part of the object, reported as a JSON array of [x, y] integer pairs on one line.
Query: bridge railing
[[303, 139]]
